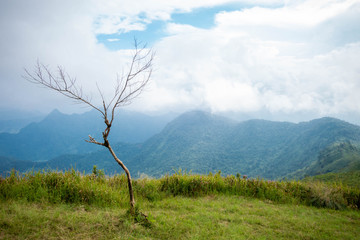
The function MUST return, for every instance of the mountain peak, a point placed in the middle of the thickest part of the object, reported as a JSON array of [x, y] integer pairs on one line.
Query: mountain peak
[[55, 112]]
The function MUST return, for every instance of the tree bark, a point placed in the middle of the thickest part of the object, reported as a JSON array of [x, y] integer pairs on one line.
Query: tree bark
[[131, 192]]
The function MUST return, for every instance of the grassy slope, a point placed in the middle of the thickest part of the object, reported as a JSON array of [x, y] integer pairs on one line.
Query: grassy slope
[[211, 217]]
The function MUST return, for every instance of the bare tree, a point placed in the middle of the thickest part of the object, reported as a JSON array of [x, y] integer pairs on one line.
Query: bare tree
[[128, 87]]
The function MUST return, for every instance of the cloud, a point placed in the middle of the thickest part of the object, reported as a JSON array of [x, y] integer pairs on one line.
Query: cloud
[[239, 69], [274, 56], [225, 96], [294, 14]]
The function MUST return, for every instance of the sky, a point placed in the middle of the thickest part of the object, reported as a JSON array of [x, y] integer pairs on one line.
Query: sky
[[274, 59]]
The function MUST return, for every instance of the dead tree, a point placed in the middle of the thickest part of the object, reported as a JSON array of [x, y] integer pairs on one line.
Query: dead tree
[[128, 87]]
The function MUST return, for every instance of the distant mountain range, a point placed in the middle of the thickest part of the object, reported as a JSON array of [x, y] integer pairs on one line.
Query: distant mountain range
[[200, 142], [59, 134]]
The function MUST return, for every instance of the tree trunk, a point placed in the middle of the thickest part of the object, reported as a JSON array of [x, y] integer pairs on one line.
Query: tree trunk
[[131, 192]]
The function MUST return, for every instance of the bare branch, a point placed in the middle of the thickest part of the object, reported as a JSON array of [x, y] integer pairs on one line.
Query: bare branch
[[92, 140], [61, 83], [127, 88], [132, 84]]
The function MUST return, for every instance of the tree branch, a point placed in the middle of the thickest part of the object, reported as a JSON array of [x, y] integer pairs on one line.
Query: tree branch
[[128, 86], [92, 140], [61, 83]]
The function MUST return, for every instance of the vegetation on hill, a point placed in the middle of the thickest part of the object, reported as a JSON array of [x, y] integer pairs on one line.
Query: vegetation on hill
[[180, 206]]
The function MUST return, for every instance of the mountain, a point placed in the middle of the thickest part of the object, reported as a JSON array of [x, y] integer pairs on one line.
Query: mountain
[[203, 142], [192, 141], [59, 134]]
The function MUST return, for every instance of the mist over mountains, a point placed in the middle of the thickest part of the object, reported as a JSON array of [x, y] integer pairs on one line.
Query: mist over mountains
[[196, 141]]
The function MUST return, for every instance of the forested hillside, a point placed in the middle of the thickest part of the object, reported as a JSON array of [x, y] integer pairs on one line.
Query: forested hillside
[[202, 142]]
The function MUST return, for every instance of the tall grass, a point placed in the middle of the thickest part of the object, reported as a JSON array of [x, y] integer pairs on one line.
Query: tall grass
[[97, 189], [311, 193], [64, 187]]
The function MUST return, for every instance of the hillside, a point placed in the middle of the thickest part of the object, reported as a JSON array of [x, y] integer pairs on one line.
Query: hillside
[[255, 147], [203, 143]]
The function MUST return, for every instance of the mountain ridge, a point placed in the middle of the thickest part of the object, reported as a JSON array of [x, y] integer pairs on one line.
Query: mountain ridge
[[60, 133], [205, 142]]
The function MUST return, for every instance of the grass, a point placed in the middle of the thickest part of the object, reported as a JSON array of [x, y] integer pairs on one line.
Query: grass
[[70, 205], [210, 217]]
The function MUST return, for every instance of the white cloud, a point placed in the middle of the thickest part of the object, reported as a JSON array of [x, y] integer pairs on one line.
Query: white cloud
[[301, 14], [225, 96], [240, 70], [284, 59]]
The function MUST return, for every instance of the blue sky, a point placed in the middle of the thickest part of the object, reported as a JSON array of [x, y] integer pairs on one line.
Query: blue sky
[[202, 18], [276, 59]]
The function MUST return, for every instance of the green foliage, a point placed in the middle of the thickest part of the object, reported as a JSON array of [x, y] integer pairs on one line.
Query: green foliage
[[64, 187], [98, 174], [148, 189], [96, 189], [315, 194]]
